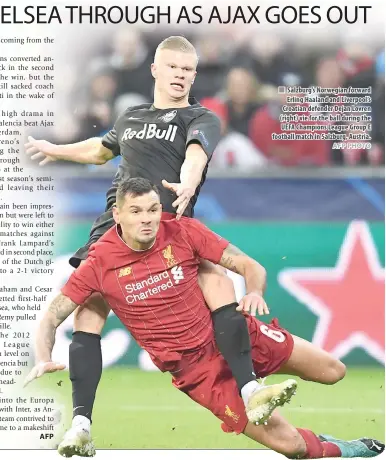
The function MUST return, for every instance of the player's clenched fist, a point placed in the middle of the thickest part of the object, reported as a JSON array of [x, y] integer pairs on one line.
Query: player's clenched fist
[[252, 303], [43, 368]]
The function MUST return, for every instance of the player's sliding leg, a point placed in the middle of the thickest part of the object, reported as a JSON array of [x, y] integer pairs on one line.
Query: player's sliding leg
[[363, 447], [310, 362], [282, 437], [85, 365], [233, 342], [278, 435]]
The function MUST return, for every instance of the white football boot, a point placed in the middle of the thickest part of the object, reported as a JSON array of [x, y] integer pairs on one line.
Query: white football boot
[[77, 440], [265, 399]]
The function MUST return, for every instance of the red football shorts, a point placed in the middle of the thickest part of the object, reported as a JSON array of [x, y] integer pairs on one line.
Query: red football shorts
[[206, 378]]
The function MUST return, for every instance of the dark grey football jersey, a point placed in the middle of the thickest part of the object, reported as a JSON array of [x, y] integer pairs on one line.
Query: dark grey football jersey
[[152, 143]]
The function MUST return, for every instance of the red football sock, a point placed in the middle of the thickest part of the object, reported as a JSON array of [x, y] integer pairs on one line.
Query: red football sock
[[317, 448], [330, 449]]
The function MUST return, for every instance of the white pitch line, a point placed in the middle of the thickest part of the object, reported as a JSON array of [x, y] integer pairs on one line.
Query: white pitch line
[[332, 410]]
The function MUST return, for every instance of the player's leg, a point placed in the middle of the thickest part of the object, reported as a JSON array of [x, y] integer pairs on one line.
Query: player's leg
[[230, 327], [278, 435], [310, 362], [275, 350], [209, 382], [282, 437], [231, 331], [85, 363], [85, 356]]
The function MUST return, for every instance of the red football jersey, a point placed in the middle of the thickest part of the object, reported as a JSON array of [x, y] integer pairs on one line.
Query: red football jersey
[[155, 293]]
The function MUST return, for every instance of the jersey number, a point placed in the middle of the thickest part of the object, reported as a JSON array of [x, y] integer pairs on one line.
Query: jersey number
[[277, 336]]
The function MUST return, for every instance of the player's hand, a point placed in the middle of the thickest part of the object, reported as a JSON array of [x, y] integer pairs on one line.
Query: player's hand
[[41, 150], [42, 368], [183, 193], [252, 303]]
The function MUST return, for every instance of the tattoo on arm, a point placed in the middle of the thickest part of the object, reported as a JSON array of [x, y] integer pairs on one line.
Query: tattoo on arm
[[228, 258], [234, 251], [61, 307], [49, 337]]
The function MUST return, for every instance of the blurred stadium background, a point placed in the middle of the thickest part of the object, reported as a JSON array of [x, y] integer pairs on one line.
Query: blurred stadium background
[[313, 216]]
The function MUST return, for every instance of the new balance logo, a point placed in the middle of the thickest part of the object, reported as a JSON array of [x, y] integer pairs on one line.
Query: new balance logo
[[124, 272], [177, 273], [150, 131]]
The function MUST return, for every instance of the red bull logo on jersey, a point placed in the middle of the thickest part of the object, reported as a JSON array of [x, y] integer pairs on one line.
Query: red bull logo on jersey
[[150, 131]]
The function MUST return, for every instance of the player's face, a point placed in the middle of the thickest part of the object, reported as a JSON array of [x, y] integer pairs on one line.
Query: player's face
[[139, 218], [174, 72]]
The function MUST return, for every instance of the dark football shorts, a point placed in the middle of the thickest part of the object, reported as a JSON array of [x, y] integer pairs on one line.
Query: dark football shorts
[[98, 229]]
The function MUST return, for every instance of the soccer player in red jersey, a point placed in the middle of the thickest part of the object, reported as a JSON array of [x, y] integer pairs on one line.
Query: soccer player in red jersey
[[169, 142], [146, 267]]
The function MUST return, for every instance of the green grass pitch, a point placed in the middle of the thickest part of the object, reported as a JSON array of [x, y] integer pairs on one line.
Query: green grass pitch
[[142, 410]]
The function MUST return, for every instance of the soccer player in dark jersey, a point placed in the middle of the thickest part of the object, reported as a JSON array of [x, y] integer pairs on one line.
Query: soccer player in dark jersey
[[169, 142], [147, 269]]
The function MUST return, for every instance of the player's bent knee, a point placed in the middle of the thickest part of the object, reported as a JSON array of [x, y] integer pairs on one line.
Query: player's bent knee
[[216, 286], [91, 317], [331, 373], [213, 276], [86, 321], [336, 372], [341, 371]]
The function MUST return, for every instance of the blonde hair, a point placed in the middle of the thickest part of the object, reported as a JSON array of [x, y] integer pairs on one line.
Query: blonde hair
[[176, 43]]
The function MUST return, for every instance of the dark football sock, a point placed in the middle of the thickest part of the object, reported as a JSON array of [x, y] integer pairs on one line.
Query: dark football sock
[[85, 371], [233, 342]]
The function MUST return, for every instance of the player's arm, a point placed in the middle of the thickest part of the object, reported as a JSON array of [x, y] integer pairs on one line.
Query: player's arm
[[204, 133], [190, 177], [59, 309], [203, 136], [238, 262], [193, 166], [254, 275], [81, 284], [90, 151], [209, 245]]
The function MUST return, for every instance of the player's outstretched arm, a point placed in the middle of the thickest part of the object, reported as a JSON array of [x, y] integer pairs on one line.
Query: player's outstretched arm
[[255, 279], [60, 308], [190, 177], [90, 151], [193, 166]]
